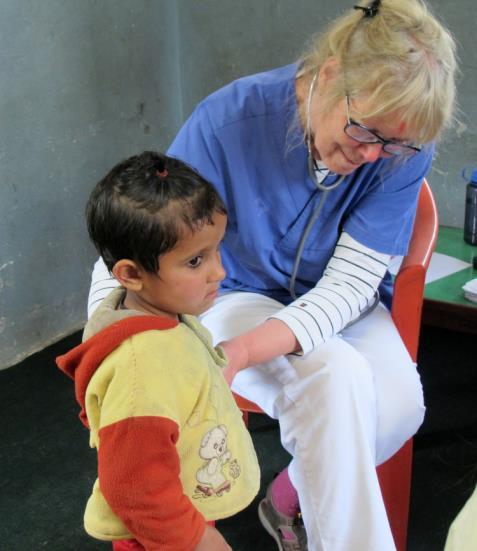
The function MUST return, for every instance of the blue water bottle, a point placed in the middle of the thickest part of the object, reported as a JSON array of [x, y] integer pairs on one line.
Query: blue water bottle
[[470, 222]]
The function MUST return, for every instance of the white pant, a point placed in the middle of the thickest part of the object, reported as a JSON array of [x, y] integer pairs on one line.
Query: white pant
[[343, 409]]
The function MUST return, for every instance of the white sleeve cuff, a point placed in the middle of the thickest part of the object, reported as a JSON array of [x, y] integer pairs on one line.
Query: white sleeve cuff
[[345, 291]]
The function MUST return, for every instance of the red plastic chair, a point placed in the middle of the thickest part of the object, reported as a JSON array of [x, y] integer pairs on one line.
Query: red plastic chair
[[395, 475]]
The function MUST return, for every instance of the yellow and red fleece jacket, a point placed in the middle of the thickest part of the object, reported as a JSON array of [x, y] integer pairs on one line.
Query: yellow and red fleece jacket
[[173, 450]]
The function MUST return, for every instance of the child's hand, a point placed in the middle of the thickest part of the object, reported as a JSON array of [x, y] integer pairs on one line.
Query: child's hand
[[212, 540]]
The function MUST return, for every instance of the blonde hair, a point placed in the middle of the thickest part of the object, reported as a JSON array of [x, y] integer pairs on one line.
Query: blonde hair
[[402, 61]]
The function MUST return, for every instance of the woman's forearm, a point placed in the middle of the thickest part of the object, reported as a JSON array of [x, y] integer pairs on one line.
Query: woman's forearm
[[268, 340]]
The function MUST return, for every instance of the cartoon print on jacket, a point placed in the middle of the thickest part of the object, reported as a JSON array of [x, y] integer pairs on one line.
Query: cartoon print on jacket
[[213, 449]]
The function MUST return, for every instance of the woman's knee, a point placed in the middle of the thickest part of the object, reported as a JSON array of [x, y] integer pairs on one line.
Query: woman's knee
[[413, 410], [401, 411]]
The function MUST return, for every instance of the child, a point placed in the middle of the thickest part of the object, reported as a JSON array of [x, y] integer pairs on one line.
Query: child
[[462, 535], [173, 451]]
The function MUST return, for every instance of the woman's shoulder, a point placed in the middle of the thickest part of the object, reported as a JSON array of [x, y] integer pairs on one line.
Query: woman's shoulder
[[250, 96]]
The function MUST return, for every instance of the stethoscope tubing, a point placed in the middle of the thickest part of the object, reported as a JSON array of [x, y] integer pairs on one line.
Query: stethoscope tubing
[[325, 189]]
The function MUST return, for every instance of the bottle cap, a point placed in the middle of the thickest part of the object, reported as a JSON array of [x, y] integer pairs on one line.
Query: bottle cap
[[470, 174]]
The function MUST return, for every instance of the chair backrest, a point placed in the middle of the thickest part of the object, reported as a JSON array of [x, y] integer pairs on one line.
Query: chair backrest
[[409, 283]]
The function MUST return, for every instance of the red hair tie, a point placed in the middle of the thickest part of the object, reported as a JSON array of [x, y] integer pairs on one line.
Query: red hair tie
[[163, 173]]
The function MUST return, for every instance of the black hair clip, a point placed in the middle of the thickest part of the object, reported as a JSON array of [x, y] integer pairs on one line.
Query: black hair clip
[[371, 10]]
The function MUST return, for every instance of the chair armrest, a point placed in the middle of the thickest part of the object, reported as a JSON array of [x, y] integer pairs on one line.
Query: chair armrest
[[410, 280]]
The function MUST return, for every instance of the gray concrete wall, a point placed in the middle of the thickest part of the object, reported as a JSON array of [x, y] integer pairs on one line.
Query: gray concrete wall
[[87, 83], [458, 149], [84, 84], [224, 40]]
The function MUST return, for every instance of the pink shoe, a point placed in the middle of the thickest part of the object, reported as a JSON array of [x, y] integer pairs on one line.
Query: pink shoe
[[288, 532]]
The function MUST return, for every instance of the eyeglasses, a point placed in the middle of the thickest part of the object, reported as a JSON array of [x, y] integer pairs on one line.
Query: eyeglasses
[[362, 134]]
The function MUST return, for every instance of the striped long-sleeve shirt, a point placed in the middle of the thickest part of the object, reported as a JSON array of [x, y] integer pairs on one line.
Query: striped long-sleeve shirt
[[347, 288]]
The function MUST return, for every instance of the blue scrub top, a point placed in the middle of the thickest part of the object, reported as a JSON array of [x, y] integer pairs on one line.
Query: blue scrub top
[[246, 140]]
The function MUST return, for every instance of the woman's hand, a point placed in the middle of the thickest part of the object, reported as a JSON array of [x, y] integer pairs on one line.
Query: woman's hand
[[212, 540], [268, 340], [237, 355]]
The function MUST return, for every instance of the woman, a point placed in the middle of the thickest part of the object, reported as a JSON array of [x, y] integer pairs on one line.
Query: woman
[[320, 165]]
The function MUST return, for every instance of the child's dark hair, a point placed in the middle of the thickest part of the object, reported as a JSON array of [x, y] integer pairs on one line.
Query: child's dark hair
[[140, 209]]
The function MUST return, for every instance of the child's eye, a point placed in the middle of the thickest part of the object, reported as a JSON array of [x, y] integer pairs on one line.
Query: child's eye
[[195, 262]]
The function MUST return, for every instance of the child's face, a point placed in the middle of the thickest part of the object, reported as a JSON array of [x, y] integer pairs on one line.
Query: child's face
[[189, 275]]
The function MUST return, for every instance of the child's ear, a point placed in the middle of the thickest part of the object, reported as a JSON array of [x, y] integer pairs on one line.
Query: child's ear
[[128, 274]]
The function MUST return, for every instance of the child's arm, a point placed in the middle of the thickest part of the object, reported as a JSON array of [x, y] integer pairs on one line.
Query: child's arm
[[138, 469]]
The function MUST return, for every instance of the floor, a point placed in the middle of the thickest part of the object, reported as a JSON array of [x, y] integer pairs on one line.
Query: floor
[[47, 468]]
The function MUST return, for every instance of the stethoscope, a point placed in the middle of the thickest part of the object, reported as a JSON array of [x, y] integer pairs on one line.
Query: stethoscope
[[312, 170]]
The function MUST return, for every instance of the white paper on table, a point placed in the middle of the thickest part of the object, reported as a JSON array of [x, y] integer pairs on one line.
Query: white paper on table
[[441, 265], [470, 290]]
